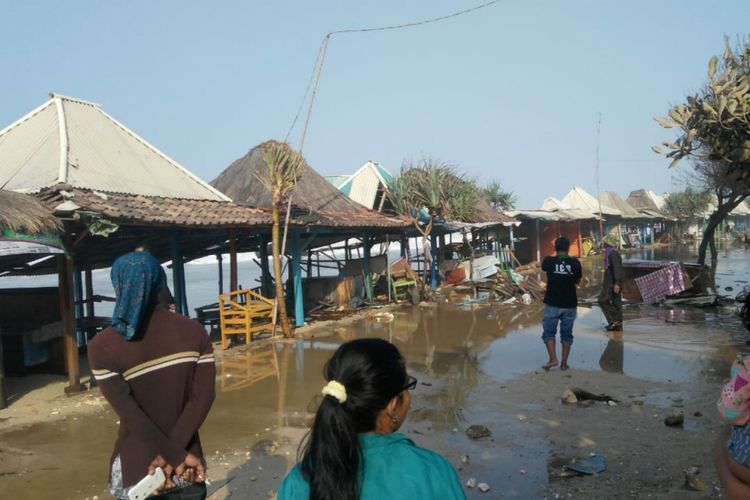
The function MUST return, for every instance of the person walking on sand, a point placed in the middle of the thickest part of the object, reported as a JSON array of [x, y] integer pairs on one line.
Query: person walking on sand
[[610, 297], [156, 369], [560, 299]]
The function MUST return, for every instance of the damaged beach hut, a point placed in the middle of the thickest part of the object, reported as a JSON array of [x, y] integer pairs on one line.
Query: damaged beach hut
[[112, 191], [320, 217]]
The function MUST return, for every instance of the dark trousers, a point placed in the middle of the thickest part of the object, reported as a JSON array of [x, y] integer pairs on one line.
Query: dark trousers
[[610, 302], [194, 492]]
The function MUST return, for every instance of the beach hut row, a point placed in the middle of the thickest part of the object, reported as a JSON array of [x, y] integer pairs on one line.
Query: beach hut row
[[111, 191]]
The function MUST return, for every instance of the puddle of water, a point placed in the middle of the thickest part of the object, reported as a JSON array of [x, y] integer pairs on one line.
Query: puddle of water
[[448, 348]]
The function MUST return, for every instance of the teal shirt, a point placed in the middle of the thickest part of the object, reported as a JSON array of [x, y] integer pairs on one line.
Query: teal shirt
[[394, 468]]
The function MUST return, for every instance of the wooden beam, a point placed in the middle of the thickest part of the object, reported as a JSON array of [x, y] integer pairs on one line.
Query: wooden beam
[[233, 286], [67, 314]]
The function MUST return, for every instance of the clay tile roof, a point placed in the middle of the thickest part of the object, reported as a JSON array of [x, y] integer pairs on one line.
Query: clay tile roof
[[157, 211]]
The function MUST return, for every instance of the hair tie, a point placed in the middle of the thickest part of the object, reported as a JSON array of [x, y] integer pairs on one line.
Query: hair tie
[[335, 389]]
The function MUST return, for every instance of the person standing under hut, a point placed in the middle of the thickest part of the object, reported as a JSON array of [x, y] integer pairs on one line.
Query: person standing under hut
[[353, 450], [610, 297], [561, 301], [156, 369]]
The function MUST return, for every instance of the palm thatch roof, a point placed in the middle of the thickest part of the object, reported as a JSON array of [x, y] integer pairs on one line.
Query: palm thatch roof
[[23, 213], [325, 205]]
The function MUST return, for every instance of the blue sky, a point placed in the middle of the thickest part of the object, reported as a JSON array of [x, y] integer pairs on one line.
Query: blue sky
[[511, 92]]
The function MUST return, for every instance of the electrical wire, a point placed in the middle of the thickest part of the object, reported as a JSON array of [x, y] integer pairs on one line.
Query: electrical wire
[[318, 67]]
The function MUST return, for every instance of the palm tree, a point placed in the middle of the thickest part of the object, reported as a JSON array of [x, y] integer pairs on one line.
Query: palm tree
[[429, 191], [282, 166]]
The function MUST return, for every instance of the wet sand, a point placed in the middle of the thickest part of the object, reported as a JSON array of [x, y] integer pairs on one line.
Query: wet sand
[[476, 365]]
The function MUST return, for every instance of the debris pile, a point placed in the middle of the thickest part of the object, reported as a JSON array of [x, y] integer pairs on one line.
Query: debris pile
[[514, 283]]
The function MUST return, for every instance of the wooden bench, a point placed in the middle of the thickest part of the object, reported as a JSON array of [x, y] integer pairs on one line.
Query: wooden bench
[[243, 312]]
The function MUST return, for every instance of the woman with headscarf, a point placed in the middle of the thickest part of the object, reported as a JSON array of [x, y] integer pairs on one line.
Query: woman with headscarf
[[156, 369]]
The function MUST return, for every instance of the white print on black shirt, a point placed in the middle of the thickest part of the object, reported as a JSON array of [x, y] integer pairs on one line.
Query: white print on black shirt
[[563, 269]]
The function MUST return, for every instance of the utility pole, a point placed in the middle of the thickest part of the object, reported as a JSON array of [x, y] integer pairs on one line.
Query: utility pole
[[596, 171]]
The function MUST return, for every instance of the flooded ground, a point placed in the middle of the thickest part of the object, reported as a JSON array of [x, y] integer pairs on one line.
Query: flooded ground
[[476, 365]]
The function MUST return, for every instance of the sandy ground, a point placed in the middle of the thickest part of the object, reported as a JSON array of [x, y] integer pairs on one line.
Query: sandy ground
[[533, 434]]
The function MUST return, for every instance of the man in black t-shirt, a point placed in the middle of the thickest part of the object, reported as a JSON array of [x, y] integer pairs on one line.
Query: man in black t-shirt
[[561, 301]]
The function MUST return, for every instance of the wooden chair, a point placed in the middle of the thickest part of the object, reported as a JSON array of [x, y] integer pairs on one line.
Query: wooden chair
[[243, 312]]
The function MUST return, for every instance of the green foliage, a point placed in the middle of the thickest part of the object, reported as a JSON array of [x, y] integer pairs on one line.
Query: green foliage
[[687, 205], [498, 198], [715, 122], [434, 187], [282, 167]]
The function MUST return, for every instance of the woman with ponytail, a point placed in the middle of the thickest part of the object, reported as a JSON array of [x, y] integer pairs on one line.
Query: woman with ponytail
[[353, 451]]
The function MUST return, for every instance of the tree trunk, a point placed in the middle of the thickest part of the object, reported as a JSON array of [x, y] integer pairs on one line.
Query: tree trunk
[[278, 277], [713, 222]]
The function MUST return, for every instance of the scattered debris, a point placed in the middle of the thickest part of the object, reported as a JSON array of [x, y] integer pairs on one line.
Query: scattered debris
[[568, 397], [584, 395], [465, 459], [471, 483], [674, 420], [379, 317], [594, 464], [483, 487], [478, 432], [697, 414], [692, 481]]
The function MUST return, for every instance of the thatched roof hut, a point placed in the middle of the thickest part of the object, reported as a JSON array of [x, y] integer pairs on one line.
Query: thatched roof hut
[[315, 200], [24, 214]]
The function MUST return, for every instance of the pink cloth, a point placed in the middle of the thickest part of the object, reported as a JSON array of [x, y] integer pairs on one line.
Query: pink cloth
[[655, 286]]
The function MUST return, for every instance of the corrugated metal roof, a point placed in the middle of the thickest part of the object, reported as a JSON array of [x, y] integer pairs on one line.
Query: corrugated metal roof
[[612, 199], [336, 180], [101, 154], [579, 199]]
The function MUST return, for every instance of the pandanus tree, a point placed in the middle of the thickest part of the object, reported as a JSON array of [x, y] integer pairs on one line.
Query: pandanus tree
[[429, 191], [280, 177], [714, 128], [497, 197]]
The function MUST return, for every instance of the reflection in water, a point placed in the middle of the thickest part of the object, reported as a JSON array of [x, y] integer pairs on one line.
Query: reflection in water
[[449, 349], [613, 357], [241, 370]]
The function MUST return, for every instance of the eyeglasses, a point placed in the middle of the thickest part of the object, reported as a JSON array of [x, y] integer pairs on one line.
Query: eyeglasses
[[411, 383]]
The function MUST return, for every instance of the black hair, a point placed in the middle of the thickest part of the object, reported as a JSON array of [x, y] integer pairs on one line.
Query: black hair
[[562, 244], [373, 372]]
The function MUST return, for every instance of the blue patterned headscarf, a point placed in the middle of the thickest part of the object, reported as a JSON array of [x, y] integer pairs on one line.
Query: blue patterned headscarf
[[137, 277]]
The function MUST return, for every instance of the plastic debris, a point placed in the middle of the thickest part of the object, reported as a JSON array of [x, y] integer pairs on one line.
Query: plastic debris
[[592, 465]]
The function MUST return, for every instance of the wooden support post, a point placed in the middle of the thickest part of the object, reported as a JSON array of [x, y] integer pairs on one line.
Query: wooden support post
[[266, 289], [580, 239], [512, 243], [178, 278], [233, 286], [296, 270], [67, 315], [366, 267], [433, 261], [538, 242], [89, 283], [220, 262], [404, 243], [309, 263]]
